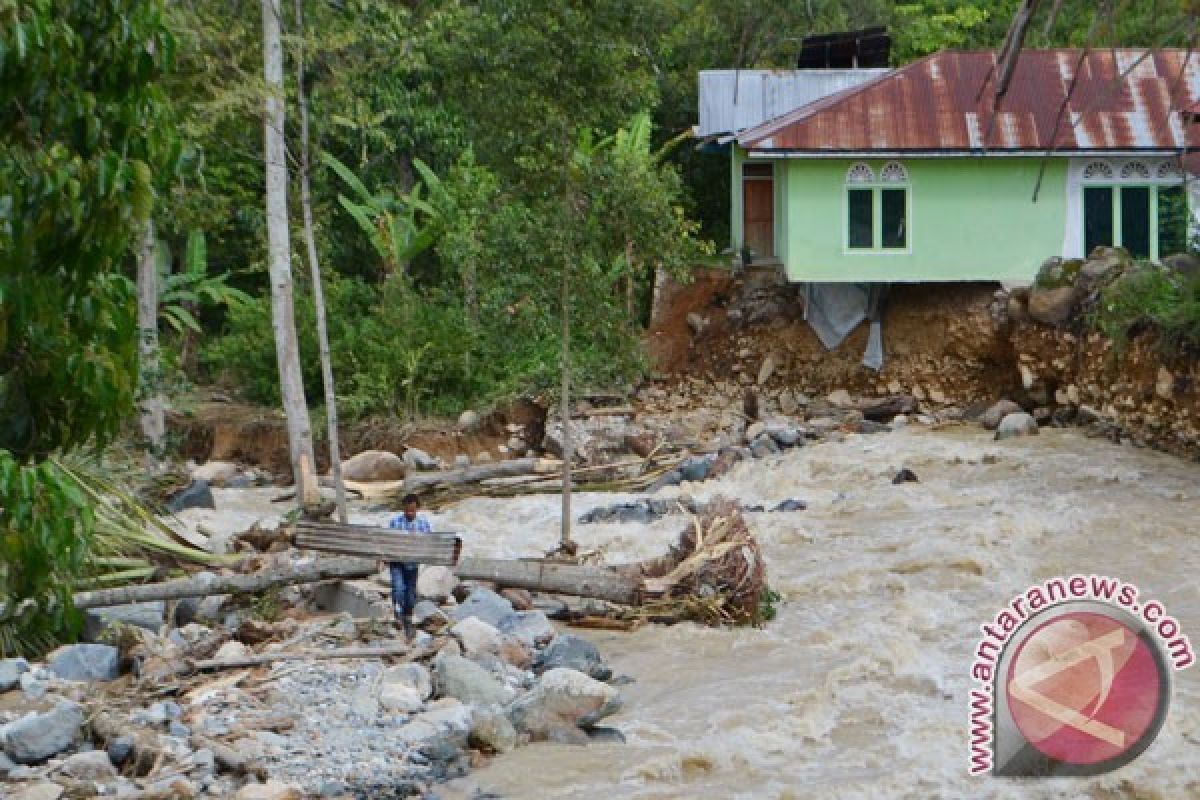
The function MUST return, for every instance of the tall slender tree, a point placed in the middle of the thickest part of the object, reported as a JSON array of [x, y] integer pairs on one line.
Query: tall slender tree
[[150, 401], [279, 258], [314, 263]]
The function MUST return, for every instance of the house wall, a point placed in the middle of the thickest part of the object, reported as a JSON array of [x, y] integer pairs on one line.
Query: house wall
[[968, 219]]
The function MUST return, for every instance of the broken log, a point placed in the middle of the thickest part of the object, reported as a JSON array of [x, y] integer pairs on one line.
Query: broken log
[[884, 409], [207, 584], [306, 655], [419, 481], [600, 583]]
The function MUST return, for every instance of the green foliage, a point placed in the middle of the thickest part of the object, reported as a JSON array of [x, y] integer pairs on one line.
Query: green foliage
[[82, 132], [1151, 297], [767, 602], [932, 25], [181, 293], [45, 525], [399, 227]]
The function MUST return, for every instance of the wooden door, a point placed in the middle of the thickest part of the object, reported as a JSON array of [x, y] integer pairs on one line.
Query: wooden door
[[758, 210]]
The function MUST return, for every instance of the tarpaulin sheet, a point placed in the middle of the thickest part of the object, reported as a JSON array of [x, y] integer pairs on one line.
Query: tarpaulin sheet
[[833, 310]]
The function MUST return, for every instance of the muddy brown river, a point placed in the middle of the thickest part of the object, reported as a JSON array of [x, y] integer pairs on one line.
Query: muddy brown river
[[858, 689]]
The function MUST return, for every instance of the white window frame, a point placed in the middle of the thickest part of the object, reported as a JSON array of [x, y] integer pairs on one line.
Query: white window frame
[[882, 180], [1132, 173]]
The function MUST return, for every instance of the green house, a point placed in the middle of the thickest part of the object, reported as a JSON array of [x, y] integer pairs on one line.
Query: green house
[[922, 174]]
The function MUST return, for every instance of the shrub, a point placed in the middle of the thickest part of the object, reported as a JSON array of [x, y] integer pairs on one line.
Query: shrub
[[1150, 297]]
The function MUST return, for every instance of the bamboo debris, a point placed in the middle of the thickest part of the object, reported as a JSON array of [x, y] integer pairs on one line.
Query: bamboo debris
[[715, 574]]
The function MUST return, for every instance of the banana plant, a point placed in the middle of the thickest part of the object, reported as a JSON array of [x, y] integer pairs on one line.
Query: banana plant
[[399, 227], [182, 292]]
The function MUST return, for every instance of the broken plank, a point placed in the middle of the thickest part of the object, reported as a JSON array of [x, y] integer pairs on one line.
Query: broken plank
[[307, 655]]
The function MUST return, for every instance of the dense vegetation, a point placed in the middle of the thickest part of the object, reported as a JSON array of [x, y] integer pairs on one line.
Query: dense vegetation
[[453, 299], [475, 161]]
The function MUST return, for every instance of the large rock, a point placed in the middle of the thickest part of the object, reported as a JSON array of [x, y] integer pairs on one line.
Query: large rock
[[485, 604], [468, 421], [563, 699], [85, 662], [448, 727], [39, 791], [492, 732], [465, 680], [1103, 263], [1184, 264], [37, 736], [573, 652], [148, 616], [196, 495], [1019, 424], [417, 459], [216, 473], [476, 636], [271, 790], [436, 583], [1057, 273], [413, 676], [404, 699], [531, 627], [373, 465], [428, 617], [1052, 306], [583, 444], [94, 765], [11, 670], [990, 419]]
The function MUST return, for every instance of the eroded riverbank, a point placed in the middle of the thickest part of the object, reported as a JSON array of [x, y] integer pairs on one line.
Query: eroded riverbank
[[858, 689]]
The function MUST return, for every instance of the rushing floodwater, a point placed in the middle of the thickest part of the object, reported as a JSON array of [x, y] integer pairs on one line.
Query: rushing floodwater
[[859, 688]]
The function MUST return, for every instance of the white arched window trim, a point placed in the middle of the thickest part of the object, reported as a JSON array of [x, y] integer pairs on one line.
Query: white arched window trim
[[1169, 171], [1135, 171], [860, 173], [1098, 171], [893, 172]]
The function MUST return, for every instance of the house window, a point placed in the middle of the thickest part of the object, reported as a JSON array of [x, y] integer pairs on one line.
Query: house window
[[1140, 208], [877, 210]]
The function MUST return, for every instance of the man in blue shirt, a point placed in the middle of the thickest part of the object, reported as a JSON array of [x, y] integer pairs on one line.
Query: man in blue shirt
[[404, 576]]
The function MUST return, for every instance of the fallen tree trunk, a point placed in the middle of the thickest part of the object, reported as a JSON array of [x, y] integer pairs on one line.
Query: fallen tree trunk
[[306, 655], [600, 583], [207, 584], [480, 472]]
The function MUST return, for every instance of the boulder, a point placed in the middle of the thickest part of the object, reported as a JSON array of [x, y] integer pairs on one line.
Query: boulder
[[492, 732], [429, 617], [696, 323], [92, 766], [563, 699], [514, 651], [791, 504], [445, 728], [763, 446], [436, 583], [39, 791], [412, 676], [120, 749], [148, 616], [990, 419], [85, 662], [468, 421], [1017, 424], [905, 475], [521, 599], [1057, 273], [640, 444], [1052, 306], [1018, 307], [1103, 263], [417, 459], [1164, 384], [373, 465], [670, 478], [485, 604], [695, 468], [531, 627], [216, 473], [755, 430], [37, 736], [11, 670], [573, 652], [462, 461], [840, 398], [271, 790], [196, 495], [476, 636], [465, 680], [1185, 264], [583, 444], [784, 435], [396, 697]]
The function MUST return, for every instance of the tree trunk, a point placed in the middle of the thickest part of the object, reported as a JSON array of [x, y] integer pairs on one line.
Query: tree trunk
[[151, 407], [310, 243], [629, 288], [422, 481], [600, 583], [565, 543], [283, 316], [206, 584]]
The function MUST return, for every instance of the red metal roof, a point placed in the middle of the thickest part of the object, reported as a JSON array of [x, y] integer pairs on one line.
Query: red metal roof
[[1124, 100]]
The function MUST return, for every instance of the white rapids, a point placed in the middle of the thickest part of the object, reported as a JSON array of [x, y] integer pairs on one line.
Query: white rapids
[[859, 688]]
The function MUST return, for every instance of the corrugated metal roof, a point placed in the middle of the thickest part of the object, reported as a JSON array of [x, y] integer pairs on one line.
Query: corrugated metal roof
[[944, 102], [733, 100]]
